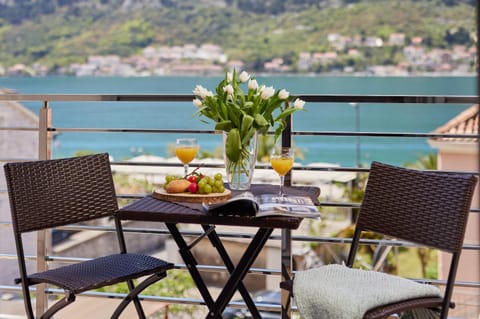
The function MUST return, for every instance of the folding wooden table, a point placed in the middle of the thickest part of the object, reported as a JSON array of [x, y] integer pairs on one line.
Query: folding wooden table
[[172, 214]]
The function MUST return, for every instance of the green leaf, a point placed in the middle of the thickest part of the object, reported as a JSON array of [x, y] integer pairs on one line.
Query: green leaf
[[260, 120], [278, 131], [219, 89], [248, 136], [272, 105], [233, 145], [224, 126], [234, 114], [247, 124], [285, 113]]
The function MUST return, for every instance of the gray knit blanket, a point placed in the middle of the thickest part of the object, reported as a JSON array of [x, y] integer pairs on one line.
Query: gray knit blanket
[[339, 292]]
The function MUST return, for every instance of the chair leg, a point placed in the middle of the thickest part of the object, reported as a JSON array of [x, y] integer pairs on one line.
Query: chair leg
[[136, 301], [65, 301], [133, 295], [27, 298]]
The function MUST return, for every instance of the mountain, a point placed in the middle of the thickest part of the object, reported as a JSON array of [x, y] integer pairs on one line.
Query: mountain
[[16, 11], [57, 33]]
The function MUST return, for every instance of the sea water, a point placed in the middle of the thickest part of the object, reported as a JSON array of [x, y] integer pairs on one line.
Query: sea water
[[340, 117]]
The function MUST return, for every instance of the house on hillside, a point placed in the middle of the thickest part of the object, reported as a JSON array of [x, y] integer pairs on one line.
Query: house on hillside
[[462, 154]]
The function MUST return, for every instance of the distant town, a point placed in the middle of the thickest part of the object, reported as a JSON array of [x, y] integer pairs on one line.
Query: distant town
[[210, 59]]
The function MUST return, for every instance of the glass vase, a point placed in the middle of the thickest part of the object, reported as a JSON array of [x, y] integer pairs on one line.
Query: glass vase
[[240, 173]]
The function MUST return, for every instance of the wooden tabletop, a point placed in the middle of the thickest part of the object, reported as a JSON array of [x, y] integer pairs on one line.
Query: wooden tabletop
[[152, 209]]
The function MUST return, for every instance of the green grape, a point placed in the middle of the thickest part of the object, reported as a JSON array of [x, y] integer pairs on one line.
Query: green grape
[[207, 188], [206, 184], [167, 180], [202, 182], [218, 183]]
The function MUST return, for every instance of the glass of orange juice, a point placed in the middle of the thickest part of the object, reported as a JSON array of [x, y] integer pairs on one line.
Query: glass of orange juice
[[281, 160], [186, 149]]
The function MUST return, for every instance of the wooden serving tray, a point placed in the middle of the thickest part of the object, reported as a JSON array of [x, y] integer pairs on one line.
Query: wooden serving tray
[[211, 198]]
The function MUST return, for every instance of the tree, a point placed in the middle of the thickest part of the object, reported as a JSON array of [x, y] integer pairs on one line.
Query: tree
[[458, 36], [426, 162]]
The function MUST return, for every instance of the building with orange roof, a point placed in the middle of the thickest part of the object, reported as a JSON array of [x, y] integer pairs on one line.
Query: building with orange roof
[[462, 154]]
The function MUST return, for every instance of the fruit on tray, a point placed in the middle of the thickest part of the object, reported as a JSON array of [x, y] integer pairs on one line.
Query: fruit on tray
[[194, 183], [177, 186]]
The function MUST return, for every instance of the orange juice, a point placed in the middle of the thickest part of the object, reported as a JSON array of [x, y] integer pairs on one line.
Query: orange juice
[[186, 154], [281, 165]]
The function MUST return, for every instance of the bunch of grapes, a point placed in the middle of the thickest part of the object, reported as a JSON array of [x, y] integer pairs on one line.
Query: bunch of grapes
[[200, 184]]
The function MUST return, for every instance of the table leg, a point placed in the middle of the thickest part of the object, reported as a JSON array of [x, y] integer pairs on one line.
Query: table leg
[[237, 275], [217, 243], [191, 263]]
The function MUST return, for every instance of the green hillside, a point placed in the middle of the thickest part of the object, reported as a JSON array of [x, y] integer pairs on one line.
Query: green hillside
[[60, 32]]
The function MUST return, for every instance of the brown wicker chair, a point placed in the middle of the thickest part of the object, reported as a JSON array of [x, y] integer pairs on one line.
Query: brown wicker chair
[[427, 208], [47, 194]]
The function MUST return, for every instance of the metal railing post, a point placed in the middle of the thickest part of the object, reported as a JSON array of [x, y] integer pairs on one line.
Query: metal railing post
[[286, 234], [44, 136], [43, 238]]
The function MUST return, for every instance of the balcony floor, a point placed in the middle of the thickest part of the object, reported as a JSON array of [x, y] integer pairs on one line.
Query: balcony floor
[[83, 308]]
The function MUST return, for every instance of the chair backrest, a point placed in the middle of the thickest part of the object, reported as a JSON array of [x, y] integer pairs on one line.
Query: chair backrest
[[50, 193], [427, 208]]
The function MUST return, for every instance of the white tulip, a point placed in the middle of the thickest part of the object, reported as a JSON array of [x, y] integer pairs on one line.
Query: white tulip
[[244, 76], [298, 104], [252, 84], [267, 92], [201, 92], [283, 94], [197, 102], [228, 89], [229, 77]]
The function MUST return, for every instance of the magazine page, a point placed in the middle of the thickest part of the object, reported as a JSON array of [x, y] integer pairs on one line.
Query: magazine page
[[243, 204], [295, 206], [246, 204]]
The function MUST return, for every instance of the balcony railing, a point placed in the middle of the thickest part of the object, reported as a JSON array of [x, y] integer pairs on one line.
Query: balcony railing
[[45, 255]]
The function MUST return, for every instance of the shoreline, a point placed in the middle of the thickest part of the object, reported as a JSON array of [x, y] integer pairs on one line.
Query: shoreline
[[260, 74]]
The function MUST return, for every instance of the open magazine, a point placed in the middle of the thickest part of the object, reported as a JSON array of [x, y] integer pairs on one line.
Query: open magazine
[[246, 204]]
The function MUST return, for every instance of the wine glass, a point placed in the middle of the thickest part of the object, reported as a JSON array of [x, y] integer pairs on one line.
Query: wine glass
[[281, 160], [186, 149]]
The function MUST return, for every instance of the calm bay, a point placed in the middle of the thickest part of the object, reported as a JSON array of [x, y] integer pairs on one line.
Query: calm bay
[[413, 118]]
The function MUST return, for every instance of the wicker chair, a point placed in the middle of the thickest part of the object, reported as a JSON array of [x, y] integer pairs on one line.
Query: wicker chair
[[427, 208], [47, 194]]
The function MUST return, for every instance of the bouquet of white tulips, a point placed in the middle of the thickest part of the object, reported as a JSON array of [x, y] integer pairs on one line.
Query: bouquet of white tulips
[[242, 113]]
